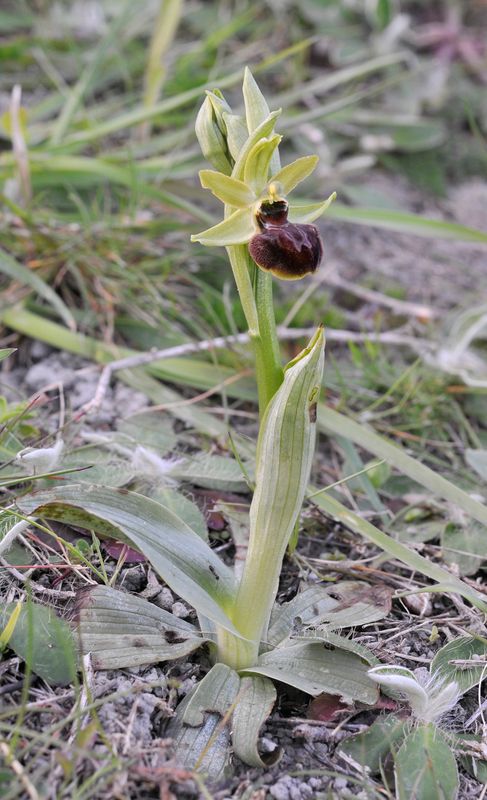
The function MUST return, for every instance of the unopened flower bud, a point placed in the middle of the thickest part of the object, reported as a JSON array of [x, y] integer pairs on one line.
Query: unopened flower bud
[[212, 134]]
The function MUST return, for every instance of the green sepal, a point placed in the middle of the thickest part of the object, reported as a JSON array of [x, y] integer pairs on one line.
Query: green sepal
[[238, 228], [258, 161], [292, 174], [256, 108], [229, 190], [237, 134], [307, 212]]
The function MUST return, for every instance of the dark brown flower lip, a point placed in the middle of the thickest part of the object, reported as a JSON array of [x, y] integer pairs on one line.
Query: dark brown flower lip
[[288, 250]]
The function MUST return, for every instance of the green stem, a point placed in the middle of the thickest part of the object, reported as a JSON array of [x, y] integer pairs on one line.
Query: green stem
[[239, 260], [268, 366], [235, 652], [259, 313]]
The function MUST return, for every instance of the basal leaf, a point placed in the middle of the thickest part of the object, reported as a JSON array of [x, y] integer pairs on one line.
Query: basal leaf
[[120, 630], [178, 554], [340, 605], [314, 668], [201, 739], [255, 700]]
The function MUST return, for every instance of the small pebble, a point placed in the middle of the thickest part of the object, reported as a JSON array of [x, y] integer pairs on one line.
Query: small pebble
[[180, 610], [165, 599]]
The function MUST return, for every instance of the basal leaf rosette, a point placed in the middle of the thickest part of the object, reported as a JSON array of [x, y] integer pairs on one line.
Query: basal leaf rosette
[[279, 234]]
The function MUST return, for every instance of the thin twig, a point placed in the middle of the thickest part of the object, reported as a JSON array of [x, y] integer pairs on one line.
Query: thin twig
[[422, 312], [60, 594], [19, 771], [222, 342]]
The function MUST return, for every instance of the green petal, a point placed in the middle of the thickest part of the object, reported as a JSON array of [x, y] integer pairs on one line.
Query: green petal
[[228, 190], [266, 128], [294, 173], [257, 165], [308, 212], [236, 229]]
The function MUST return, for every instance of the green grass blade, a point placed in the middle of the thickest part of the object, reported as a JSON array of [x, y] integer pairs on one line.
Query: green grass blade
[[18, 272], [89, 74], [334, 423], [449, 583], [406, 223]]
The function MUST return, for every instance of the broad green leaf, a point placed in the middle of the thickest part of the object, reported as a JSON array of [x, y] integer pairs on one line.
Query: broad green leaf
[[340, 605], [292, 174], [238, 228], [200, 740], [329, 637], [256, 171], [314, 668], [152, 429], [178, 554], [210, 472], [463, 660], [18, 272], [304, 213], [371, 748], [255, 700], [228, 190], [104, 467], [184, 508], [120, 630], [464, 546], [447, 581], [42, 640], [425, 766]]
